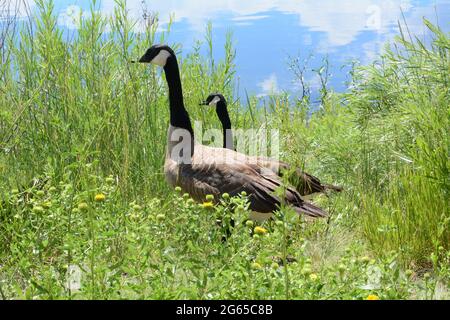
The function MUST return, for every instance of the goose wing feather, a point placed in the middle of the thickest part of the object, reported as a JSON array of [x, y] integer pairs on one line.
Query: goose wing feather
[[208, 176], [304, 182]]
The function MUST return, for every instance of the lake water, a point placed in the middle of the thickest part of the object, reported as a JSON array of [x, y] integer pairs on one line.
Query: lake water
[[267, 32]]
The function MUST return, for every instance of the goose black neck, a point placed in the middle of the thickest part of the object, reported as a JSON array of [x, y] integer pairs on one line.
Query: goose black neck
[[222, 113], [179, 116]]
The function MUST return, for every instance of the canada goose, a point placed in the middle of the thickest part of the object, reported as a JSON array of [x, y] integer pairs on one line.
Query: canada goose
[[200, 170], [304, 183]]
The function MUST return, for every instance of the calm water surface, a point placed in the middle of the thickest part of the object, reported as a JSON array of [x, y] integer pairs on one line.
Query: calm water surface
[[266, 33]]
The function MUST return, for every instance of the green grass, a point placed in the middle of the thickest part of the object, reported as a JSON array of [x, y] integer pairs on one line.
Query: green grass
[[77, 119]]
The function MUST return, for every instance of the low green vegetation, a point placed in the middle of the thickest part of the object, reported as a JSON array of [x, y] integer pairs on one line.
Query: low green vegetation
[[83, 195]]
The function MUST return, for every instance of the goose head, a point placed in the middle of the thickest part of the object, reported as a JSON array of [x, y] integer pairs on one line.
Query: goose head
[[213, 100], [219, 102], [157, 54]]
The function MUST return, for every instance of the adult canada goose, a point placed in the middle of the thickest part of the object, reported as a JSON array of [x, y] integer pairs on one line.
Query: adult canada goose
[[201, 170], [304, 183]]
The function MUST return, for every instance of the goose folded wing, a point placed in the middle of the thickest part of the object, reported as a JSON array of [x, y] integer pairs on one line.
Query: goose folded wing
[[216, 179]]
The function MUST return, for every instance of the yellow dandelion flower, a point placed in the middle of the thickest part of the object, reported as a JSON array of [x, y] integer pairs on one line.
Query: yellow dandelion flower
[[313, 277], [207, 205], [256, 266], [260, 230], [373, 297], [100, 197]]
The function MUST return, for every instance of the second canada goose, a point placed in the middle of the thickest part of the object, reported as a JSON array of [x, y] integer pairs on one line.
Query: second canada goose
[[200, 170], [304, 183]]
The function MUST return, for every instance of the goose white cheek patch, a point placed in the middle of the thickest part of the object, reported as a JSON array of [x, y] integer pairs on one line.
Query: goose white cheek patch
[[161, 58], [214, 101]]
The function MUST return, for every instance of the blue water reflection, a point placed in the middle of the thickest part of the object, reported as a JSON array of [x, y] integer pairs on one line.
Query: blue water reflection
[[267, 32]]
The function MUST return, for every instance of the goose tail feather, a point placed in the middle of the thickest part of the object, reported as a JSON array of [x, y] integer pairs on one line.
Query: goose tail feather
[[310, 210]]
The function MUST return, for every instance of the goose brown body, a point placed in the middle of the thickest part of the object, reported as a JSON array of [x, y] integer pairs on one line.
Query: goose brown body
[[216, 171], [201, 170]]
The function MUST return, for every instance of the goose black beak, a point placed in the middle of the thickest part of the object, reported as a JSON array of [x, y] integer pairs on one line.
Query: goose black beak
[[203, 103], [140, 60]]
